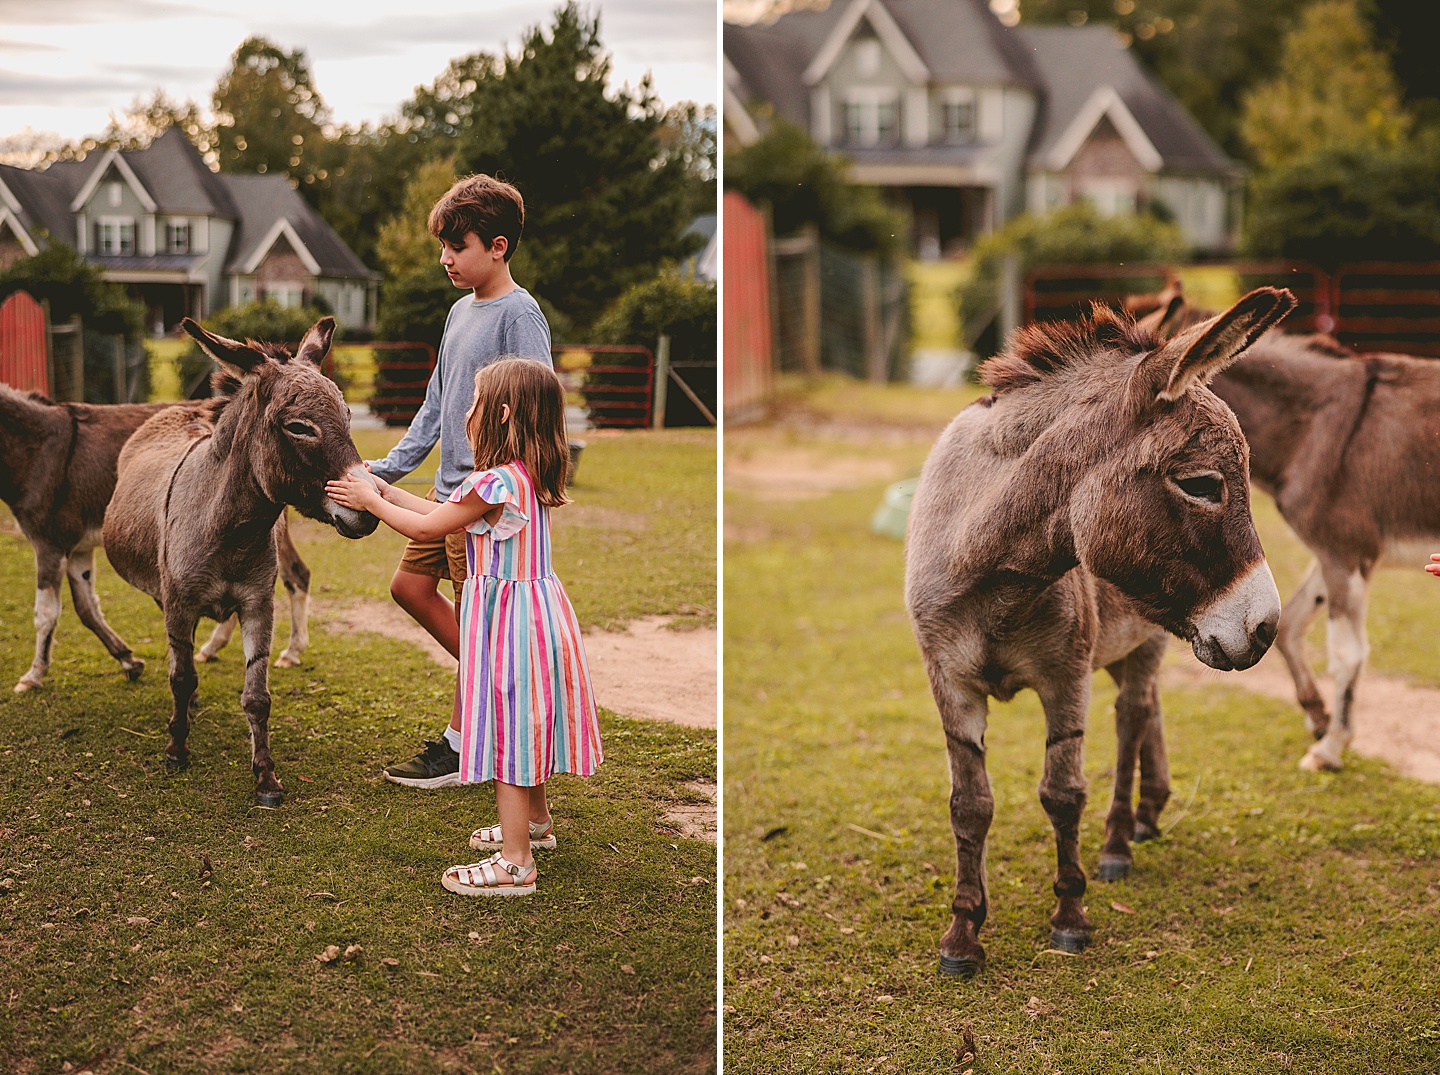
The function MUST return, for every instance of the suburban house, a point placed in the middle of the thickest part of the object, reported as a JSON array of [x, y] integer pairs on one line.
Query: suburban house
[[183, 239], [969, 122]]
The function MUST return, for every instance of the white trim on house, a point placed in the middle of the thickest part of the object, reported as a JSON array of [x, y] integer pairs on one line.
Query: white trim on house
[[6, 195], [7, 216], [1104, 102], [886, 30], [113, 156], [282, 227], [735, 114]]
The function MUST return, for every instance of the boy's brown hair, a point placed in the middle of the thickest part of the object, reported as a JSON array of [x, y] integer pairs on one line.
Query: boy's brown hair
[[481, 204], [534, 432]]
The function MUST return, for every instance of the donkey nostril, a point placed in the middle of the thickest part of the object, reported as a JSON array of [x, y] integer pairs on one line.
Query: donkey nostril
[[1265, 633]]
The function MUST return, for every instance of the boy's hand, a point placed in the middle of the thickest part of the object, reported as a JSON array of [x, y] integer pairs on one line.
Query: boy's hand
[[355, 491], [1434, 566]]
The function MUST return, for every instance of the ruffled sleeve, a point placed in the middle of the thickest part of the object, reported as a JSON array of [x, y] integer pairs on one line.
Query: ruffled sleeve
[[494, 487]]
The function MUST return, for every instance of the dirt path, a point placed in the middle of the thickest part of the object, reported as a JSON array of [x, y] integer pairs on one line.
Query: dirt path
[[1393, 721]]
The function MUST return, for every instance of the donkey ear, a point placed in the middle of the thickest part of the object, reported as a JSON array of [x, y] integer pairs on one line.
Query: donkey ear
[[316, 344], [1198, 353], [1169, 317], [237, 358]]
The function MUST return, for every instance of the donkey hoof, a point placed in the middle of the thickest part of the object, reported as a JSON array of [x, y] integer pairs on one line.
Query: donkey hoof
[[1318, 762], [202, 657], [269, 798], [176, 762], [1113, 867], [965, 967], [287, 661], [1069, 940], [25, 685], [133, 668], [1145, 833]]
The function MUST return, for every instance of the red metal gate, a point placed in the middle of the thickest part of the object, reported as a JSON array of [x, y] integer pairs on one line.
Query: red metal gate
[[747, 307], [22, 344]]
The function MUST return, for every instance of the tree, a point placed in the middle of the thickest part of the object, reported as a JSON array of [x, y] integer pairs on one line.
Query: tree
[[71, 285], [689, 137], [803, 184], [148, 118], [268, 115], [1343, 203], [605, 205], [416, 295], [1334, 89]]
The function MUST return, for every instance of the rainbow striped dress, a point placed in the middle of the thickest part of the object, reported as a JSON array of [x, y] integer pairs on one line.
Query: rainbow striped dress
[[527, 709]]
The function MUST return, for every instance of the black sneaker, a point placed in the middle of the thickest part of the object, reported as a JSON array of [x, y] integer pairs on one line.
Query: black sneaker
[[437, 766]]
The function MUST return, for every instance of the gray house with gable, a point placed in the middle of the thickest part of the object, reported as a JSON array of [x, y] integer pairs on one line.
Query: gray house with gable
[[969, 122], [184, 240]]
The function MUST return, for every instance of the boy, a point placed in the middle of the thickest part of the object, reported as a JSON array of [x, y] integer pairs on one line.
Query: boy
[[478, 223]]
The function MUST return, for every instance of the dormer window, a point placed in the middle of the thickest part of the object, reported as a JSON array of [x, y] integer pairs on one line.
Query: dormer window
[[872, 116], [177, 237], [115, 236], [958, 124]]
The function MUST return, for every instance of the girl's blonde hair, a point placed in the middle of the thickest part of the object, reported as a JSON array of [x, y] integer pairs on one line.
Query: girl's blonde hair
[[535, 430]]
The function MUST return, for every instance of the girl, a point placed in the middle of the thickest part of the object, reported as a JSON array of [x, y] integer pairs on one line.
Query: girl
[[526, 706]]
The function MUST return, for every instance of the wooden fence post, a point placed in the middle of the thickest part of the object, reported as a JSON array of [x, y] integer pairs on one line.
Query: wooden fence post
[[810, 299], [875, 357], [662, 380]]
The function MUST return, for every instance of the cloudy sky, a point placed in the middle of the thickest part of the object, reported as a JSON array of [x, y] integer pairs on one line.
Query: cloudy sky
[[65, 65]]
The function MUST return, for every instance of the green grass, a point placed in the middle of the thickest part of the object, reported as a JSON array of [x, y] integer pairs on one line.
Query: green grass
[[1287, 921], [610, 967]]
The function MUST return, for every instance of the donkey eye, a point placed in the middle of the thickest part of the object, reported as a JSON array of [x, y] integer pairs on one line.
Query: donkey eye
[[1207, 487], [302, 429]]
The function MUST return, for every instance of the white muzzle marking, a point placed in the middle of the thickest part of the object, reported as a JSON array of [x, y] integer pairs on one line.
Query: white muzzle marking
[[1237, 627], [352, 519]]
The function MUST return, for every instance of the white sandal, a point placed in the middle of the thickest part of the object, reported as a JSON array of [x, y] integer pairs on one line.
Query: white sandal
[[483, 878], [489, 839]]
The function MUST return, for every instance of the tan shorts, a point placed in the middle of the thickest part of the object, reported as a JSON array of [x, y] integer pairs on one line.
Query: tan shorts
[[440, 558]]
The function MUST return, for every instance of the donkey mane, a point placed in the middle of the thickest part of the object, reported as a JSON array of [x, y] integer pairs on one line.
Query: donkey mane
[[31, 397], [1039, 350]]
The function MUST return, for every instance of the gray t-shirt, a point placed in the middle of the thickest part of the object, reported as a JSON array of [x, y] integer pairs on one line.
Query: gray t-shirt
[[476, 334]]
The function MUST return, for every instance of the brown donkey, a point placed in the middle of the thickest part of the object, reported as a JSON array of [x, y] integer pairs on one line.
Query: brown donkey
[[57, 472], [1095, 500], [200, 489], [1347, 445]]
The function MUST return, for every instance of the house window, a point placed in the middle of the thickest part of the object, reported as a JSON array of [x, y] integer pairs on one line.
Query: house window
[[177, 237], [284, 296], [958, 118], [872, 117], [115, 237]]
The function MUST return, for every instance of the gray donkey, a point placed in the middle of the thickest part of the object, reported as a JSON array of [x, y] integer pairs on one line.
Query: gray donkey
[[57, 472], [1097, 499], [1347, 445], [199, 491]]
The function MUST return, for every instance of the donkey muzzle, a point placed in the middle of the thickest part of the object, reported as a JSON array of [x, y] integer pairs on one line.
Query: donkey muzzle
[[347, 521], [1237, 627]]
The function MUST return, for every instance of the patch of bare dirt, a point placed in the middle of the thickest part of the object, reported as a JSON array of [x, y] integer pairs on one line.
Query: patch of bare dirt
[[646, 671], [798, 473], [592, 515], [694, 821], [1393, 721]]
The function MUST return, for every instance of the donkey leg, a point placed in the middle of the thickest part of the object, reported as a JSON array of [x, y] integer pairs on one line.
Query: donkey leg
[[180, 636], [1348, 648], [1154, 776], [218, 640], [257, 622], [48, 563], [1062, 794], [1136, 704], [963, 716], [296, 577], [1295, 621], [81, 570]]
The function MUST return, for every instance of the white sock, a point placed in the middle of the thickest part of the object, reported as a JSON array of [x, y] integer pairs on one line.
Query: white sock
[[452, 736]]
